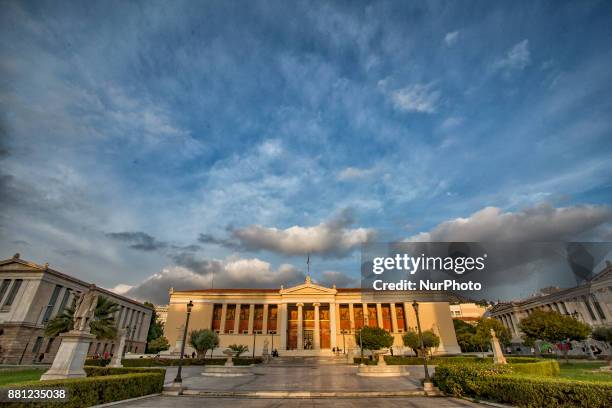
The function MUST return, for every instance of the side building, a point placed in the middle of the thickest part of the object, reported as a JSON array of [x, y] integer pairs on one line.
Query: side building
[[590, 302], [31, 295], [307, 319]]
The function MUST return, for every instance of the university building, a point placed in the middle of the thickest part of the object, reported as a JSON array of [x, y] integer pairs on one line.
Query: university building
[[31, 295], [590, 302], [307, 319]]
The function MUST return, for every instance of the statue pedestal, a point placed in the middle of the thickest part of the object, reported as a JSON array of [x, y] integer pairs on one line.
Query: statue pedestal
[[116, 360], [70, 357]]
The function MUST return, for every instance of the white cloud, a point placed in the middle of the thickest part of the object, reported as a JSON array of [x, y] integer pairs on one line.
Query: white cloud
[[517, 58], [191, 273], [451, 38], [354, 173], [539, 223], [121, 288], [331, 237], [416, 98]]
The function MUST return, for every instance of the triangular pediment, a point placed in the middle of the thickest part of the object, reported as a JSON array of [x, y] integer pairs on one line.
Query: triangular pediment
[[308, 288], [16, 264]]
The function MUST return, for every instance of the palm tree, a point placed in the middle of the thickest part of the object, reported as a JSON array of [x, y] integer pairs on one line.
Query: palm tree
[[102, 325]]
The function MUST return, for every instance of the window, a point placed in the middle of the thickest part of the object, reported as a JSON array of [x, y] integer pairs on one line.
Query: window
[[37, 344], [51, 304], [12, 294], [49, 345], [4, 287], [64, 301]]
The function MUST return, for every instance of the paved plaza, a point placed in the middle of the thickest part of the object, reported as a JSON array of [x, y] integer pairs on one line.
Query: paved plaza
[[312, 376], [189, 402], [322, 376]]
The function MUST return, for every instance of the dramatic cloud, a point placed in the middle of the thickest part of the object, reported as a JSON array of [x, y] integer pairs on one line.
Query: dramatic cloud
[[138, 240], [451, 38], [416, 98], [330, 238], [193, 273], [517, 58], [539, 223]]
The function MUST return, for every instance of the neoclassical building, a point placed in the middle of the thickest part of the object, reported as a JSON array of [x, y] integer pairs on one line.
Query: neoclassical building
[[31, 295], [590, 302], [307, 319]]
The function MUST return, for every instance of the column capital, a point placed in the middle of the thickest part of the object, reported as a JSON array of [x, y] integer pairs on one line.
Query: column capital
[[316, 304], [299, 304]]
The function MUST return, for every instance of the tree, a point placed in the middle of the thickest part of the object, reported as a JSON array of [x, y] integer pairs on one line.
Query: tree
[[465, 335], [238, 349], [412, 340], [157, 345], [552, 327], [203, 340], [374, 338], [482, 336], [604, 334], [102, 325], [156, 329]]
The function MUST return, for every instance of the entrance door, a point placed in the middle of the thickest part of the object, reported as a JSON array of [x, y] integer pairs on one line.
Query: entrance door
[[308, 339]]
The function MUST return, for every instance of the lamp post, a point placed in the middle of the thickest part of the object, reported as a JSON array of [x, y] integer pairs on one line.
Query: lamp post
[[254, 334], [343, 342], [361, 345], [178, 379], [415, 305]]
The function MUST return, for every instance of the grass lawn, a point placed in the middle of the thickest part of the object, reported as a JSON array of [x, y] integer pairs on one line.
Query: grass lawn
[[9, 376], [584, 371]]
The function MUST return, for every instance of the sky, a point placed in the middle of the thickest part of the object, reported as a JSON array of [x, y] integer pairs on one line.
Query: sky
[[149, 145]]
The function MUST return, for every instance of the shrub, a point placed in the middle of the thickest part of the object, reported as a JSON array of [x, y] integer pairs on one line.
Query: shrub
[[85, 392], [505, 384], [165, 362]]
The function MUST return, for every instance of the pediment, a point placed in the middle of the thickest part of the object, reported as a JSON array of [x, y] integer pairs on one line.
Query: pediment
[[308, 289], [18, 265]]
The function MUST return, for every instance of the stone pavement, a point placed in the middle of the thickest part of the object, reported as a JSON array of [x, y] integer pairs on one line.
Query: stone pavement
[[192, 402], [327, 378]]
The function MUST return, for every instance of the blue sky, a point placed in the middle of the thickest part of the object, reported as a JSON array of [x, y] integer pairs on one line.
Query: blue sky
[[156, 144]]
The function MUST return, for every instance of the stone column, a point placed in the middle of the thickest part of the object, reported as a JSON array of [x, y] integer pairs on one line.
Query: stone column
[[379, 318], [600, 297], [251, 317], [365, 314], [410, 316], [317, 327], [264, 323], [333, 335], [394, 318], [300, 328], [237, 319], [223, 316], [282, 315], [352, 317]]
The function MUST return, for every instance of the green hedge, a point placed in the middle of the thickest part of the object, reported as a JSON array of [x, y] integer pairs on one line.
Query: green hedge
[[106, 387], [165, 362], [402, 360], [506, 384], [548, 368]]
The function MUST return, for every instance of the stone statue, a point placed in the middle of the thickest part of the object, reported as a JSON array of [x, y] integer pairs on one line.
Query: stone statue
[[85, 309], [498, 355]]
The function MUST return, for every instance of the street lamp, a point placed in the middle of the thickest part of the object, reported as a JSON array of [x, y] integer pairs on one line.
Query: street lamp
[[254, 335], [361, 345], [415, 305], [178, 378]]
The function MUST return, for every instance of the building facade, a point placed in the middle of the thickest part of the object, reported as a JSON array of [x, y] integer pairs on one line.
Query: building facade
[[162, 313], [31, 295], [307, 319], [468, 312], [590, 303]]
